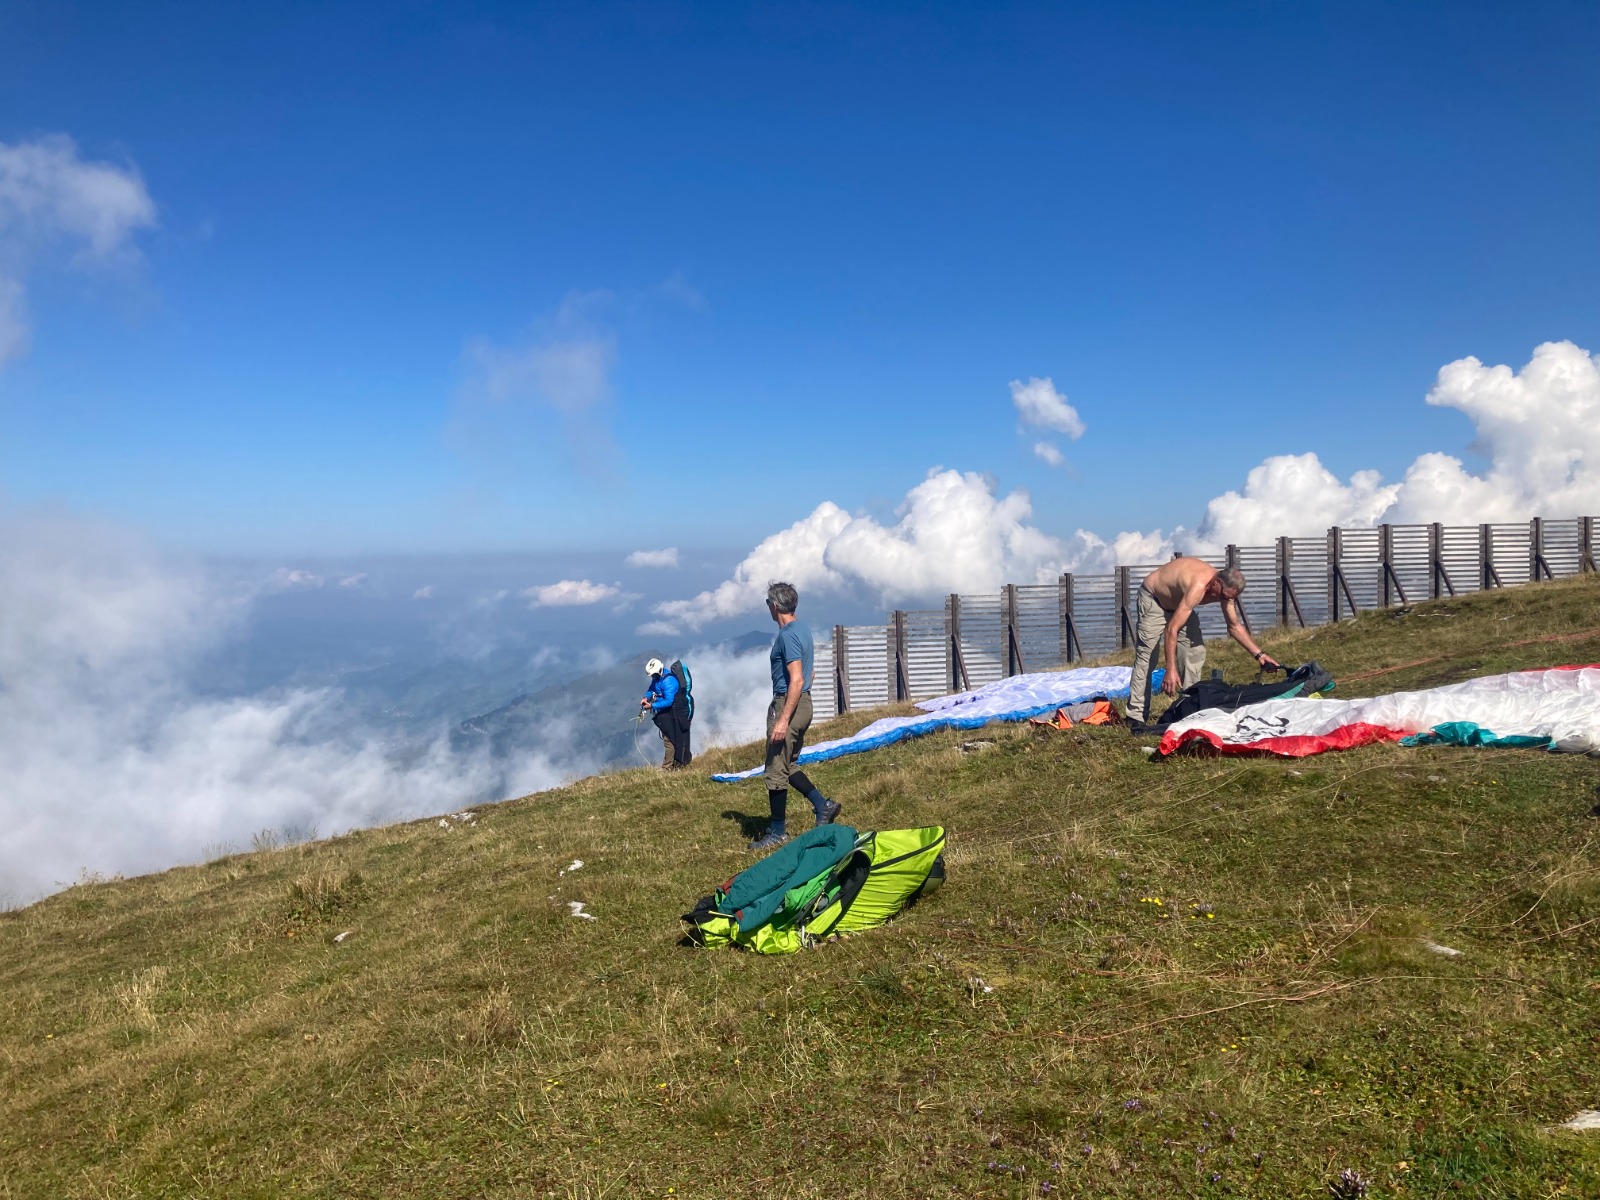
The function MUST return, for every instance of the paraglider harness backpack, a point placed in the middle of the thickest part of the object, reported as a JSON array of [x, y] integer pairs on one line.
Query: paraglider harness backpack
[[685, 684]]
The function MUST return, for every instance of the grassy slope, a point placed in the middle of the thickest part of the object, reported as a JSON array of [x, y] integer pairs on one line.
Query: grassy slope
[[199, 1033]]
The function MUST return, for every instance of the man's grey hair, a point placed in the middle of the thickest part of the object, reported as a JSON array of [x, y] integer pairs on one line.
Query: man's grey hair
[[783, 597], [1231, 578]]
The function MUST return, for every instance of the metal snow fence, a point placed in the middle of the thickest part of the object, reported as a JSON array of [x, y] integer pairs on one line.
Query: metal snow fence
[[1295, 582]]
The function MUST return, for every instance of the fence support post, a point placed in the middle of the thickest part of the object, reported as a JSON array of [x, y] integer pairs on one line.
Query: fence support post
[[1438, 573], [1585, 544], [1537, 565], [1127, 622], [1488, 577], [1391, 579], [1333, 575], [1286, 593], [841, 669], [1008, 611], [1071, 647], [902, 672], [955, 662]]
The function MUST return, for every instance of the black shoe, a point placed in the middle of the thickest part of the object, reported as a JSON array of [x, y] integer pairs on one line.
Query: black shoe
[[830, 812], [768, 841]]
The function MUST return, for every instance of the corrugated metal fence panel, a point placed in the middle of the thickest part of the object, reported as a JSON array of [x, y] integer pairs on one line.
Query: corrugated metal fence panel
[[983, 641], [1412, 560], [1461, 553], [1094, 602], [1358, 560], [1563, 546], [824, 703], [1039, 626], [870, 649], [1260, 599], [1308, 571], [925, 657], [870, 665], [1510, 553]]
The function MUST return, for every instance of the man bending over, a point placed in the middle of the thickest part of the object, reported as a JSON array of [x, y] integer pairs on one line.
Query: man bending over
[[1168, 598]]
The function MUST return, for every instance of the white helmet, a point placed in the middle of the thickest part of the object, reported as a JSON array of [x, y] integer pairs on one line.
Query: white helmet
[[654, 667]]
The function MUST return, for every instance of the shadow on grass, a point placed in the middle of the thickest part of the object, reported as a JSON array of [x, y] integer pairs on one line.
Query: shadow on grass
[[751, 825]]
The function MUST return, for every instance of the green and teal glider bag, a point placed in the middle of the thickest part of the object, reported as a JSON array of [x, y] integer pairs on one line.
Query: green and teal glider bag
[[828, 882]]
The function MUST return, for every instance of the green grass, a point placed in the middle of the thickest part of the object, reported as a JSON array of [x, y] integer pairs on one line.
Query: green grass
[[1042, 1019]]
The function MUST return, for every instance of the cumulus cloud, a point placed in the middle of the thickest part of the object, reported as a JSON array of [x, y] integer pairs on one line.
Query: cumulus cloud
[[1048, 452], [1539, 428], [569, 593], [953, 534], [1040, 406], [113, 763], [654, 558], [53, 200], [423, 593], [353, 581]]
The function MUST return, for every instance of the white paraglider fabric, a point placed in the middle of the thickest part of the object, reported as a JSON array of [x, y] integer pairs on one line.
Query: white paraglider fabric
[[1013, 699], [1558, 707]]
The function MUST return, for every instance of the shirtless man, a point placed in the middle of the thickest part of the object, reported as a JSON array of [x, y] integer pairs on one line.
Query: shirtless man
[[1168, 598]]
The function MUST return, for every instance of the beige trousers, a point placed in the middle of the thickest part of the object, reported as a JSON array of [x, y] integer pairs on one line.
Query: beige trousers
[[781, 756], [1149, 644]]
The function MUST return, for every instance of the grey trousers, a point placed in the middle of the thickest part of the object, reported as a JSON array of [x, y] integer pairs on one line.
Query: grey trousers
[[1149, 651], [780, 757]]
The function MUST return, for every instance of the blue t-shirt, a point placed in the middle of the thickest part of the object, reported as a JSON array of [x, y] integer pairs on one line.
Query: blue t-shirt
[[793, 644]]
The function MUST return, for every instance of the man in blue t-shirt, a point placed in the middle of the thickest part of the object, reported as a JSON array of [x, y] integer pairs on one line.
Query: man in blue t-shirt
[[788, 717]]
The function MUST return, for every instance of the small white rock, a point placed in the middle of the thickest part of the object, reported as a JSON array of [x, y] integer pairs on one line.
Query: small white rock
[[1585, 1121], [1436, 948], [339, 937], [577, 907], [443, 824], [575, 865]]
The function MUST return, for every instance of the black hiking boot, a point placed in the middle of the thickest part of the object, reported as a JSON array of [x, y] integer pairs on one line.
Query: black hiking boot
[[829, 812], [768, 841]]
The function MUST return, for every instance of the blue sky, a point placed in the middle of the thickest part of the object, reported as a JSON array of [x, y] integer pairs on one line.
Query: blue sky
[[811, 245]]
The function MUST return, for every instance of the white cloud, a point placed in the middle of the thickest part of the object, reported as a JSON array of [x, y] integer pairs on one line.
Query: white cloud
[[794, 554], [1539, 428], [423, 593], [287, 579], [954, 534], [1040, 406], [114, 764], [1048, 452], [351, 581], [50, 198], [654, 558], [658, 629], [563, 368], [568, 593], [731, 694]]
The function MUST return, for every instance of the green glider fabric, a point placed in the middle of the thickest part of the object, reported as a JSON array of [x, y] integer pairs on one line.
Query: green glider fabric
[[758, 892], [1470, 733], [896, 864], [868, 882]]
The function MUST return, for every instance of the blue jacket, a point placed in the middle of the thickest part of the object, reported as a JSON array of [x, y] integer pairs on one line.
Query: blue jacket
[[663, 691]]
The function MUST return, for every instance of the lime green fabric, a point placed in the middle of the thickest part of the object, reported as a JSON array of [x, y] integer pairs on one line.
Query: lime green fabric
[[874, 881], [901, 860]]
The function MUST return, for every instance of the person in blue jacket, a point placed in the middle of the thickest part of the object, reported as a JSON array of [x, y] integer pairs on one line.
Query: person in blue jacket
[[669, 709]]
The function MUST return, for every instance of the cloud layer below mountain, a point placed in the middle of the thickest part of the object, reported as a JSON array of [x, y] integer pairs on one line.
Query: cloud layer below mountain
[[114, 763]]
